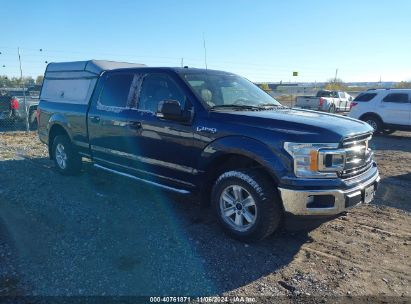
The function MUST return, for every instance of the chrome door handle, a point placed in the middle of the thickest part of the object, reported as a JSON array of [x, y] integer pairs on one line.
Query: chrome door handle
[[95, 118], [134, 125]]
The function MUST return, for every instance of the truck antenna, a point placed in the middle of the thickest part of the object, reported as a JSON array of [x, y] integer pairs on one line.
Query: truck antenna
[[205, 51]]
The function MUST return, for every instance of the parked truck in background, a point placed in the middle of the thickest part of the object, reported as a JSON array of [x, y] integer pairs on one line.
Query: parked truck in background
[[327, 101], [210, 133], [12, 107]]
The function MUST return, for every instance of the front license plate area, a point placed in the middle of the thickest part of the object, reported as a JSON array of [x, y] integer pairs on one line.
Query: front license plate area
[[369, 194]]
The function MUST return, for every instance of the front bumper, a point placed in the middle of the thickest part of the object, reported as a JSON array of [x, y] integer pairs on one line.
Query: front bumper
[[297, 202]]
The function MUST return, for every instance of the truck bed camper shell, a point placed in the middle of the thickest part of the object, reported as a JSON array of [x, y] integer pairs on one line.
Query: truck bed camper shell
[[76, 80]]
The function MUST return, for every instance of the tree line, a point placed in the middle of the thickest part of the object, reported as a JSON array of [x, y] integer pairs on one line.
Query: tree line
[[332, 84], [337, 84], [17, 82]]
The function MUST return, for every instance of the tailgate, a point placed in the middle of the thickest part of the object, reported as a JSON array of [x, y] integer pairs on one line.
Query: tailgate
[[307, 102], [4, 103]]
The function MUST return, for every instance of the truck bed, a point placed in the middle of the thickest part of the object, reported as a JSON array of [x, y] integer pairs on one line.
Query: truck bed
[[74, 118], [4, 103], [307, 102]]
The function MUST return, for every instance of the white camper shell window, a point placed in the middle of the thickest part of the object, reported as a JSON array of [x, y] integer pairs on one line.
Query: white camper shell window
[[74, 91]]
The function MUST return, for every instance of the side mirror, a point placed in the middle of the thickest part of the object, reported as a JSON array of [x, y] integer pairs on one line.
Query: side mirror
[[170, 109]]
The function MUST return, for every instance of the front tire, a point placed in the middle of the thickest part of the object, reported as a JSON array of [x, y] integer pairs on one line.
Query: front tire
[[66, 159], [374, 122], [246, 204]]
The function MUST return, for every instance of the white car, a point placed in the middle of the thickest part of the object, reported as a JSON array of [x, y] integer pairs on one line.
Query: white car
[[386, 110]]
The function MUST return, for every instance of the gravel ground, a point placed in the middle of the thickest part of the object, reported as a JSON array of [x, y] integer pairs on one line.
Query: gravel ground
[[99, 234]]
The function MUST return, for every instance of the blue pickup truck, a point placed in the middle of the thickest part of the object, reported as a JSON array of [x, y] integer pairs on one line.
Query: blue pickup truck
[[209, 133]]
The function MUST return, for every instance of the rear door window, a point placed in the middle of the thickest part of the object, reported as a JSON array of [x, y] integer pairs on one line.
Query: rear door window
[[365, 97], [397, 98], [117, 90]]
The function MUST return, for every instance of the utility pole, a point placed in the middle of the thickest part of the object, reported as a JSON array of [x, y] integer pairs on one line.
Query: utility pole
[[24, 92], [336, 73]]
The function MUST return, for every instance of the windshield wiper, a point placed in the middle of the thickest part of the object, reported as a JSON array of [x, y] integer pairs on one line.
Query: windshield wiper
[[271, 105], [234, 106]]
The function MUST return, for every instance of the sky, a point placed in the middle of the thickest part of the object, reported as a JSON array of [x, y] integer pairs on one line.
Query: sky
[[264, 41]]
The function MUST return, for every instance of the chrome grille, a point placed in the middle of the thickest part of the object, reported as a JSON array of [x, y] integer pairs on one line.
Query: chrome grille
[[358, 155]]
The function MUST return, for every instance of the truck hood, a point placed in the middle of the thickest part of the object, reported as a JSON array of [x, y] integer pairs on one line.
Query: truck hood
[[313, 125]]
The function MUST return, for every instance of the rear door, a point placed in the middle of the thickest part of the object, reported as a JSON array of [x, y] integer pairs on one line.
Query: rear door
[[343, 101], [335, 99], [395, 108], [113, 120]]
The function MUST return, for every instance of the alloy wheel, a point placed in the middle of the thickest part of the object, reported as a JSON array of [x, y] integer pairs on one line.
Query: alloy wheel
[[61, 156], [238, 208]]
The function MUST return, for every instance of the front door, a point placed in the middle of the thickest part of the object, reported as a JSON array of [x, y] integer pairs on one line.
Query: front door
[[165, 148]]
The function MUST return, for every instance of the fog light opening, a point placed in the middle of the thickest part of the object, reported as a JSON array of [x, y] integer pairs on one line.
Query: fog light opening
[[320, 201]]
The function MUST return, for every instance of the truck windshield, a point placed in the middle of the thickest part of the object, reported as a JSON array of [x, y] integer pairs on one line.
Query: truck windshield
[[219, 90]]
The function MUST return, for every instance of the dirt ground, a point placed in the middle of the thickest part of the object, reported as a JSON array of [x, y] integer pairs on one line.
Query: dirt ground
[[97, 234]]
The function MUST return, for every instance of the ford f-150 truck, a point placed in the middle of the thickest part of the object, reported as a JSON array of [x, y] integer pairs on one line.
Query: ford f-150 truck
[[327, 101], [210, 133]]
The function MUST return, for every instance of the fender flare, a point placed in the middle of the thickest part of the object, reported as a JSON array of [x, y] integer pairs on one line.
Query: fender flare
[[273, 161], [58, 119], [370, 114]]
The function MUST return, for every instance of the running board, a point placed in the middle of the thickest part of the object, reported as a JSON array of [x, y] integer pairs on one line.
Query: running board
[[181, 191]]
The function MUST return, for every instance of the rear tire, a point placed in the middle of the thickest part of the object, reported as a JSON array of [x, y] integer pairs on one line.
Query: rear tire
[[374, 122], [331, 109], [246, 204], [66, 159], [33, 120]]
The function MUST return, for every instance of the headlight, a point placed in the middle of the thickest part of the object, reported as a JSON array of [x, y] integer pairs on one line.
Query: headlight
[[316, 160]]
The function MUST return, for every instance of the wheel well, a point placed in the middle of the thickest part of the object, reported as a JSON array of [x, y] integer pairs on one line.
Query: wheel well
[[370, 114], [55, 131], [226, 163]]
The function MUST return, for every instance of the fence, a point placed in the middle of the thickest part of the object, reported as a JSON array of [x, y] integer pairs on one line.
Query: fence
[[18, 112]]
